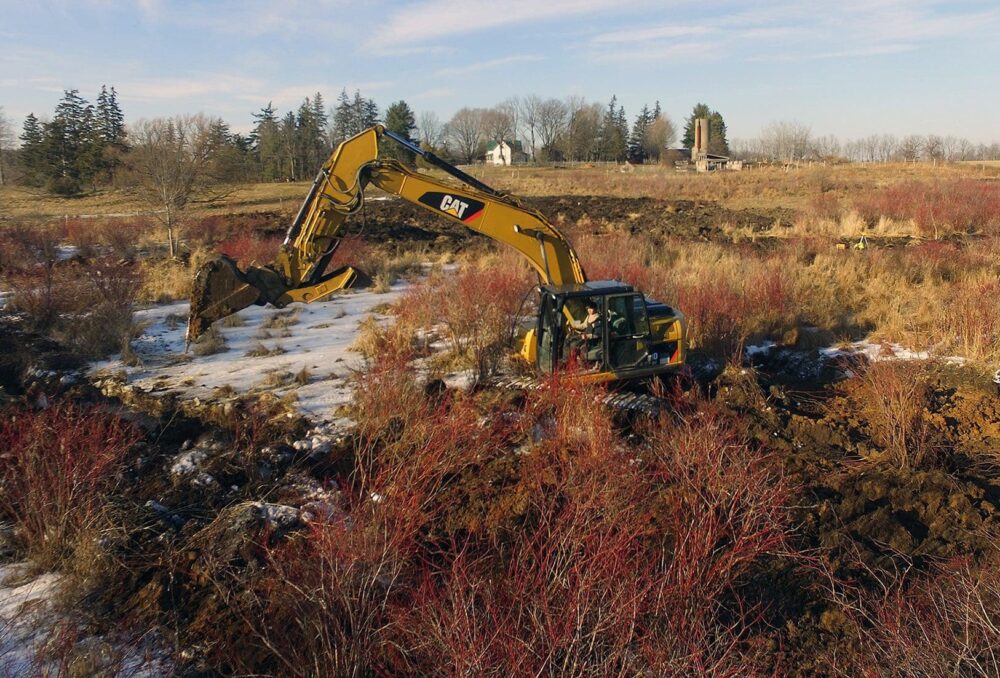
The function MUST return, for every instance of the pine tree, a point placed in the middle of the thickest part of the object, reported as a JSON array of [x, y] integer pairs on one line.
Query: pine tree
[[265, 142], [352, 116], [399, 118], [110, 121], [636, 148], [32, 153], [322, 121], [614, 132], [109, 132], [717, 142], [287, 133], [71, 146]]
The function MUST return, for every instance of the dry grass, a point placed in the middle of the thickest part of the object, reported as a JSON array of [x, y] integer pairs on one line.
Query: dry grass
[[210, 343], [282, 319], [259, 350]]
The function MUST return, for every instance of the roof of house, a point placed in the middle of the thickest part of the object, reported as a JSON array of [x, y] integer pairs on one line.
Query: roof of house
[[516, 145]]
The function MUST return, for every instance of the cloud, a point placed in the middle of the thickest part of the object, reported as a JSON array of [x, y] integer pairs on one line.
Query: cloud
[[779, 31], [436, 19], [485, 65], [677, 51], [654, 33], [180, 88]]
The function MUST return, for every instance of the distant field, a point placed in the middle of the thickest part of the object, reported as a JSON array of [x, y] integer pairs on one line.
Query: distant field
[[766, 188]]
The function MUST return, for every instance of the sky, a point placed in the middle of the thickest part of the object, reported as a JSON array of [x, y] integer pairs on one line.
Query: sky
[[844, 67]]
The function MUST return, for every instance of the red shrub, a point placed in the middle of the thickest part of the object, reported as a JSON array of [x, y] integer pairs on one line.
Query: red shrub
[[944, 624], [477, 307], [251, 248], [938, 208], [57, 466]]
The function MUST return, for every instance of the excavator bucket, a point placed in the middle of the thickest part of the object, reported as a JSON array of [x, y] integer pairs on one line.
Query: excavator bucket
[[220, 289]]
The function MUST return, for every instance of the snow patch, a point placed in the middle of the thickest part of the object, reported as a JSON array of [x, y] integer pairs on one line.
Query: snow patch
[[310, 340]]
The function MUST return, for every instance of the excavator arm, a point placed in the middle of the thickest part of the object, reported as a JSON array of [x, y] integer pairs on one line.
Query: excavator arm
[[298, 270]]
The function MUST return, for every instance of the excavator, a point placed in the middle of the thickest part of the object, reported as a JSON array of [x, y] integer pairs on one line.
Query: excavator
[[598, 330]]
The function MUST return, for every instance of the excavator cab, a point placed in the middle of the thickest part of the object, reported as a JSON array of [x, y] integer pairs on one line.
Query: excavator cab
[[633, 337]]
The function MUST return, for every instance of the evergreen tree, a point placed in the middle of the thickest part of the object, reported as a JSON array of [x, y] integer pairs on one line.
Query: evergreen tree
[[322, 121], [266, 144], [399, 118], [32, 153], [287, 135], [110, 121], [71, 145], [636, 147], [614, 132], [717, 142], [352, 116], [109, 132]]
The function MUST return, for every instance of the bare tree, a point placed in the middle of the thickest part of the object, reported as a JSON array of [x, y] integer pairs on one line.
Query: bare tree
[[785, 141], [552, 116], [934, 147], [6, 144], [529, 113], [170, 164], [498, 126], [583, 128], [431, 129], [660, 134], [465, 130], [911, 147]]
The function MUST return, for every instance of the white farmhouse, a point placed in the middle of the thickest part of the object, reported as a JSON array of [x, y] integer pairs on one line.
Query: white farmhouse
[[505, 153]]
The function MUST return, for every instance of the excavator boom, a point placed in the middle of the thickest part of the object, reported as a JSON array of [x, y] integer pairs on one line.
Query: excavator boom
[[297, 272], [635, 338]]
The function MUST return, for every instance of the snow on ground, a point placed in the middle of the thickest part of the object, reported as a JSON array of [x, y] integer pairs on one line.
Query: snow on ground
[[314, 337], [874, 352], [26, 615], [30, 624]]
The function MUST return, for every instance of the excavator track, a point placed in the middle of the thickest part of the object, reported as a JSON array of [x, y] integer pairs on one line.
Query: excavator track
[[628, 401]]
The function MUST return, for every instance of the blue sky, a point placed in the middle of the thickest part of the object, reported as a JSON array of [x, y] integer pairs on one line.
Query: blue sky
[[847, 67]]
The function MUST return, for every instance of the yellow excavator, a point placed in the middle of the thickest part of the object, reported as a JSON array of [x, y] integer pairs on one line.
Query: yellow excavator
[[602, 330]]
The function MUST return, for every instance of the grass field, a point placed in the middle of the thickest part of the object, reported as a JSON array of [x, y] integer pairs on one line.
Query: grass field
[[762, 187]]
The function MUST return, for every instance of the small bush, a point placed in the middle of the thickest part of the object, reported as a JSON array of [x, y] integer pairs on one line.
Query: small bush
[[234, 320], [282, 319], [210, 343], [57, 467], [477, 307], [894, 396]]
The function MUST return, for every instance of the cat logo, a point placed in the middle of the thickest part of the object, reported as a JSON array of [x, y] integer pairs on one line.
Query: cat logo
[[464, 209], [453, 206]]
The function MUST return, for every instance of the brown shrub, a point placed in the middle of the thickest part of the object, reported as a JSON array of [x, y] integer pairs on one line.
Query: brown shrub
[[86, 305], [894, 397]]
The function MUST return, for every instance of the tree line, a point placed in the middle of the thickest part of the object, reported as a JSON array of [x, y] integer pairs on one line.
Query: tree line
[[84, 145], [792, 141]]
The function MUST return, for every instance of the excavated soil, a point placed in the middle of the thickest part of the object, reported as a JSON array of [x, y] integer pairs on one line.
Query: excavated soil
[[392, 221]]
